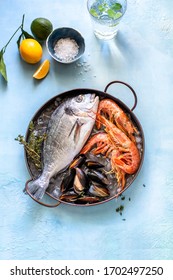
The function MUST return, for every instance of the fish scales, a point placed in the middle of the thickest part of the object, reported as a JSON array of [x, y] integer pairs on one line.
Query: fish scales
[[57, 147]]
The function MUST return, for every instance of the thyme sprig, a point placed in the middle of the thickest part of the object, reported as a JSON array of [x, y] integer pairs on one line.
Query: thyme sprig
[[30, 151], [33, 146], [22, 36]]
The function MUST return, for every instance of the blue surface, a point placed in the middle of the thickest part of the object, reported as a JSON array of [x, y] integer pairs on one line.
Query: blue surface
[[141, 55]]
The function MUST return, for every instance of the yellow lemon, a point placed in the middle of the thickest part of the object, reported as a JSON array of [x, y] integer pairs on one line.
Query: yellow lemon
[[43, 70], [30, 51]]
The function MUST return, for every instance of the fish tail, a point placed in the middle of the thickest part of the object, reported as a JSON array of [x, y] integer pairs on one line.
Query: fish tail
[[38, 187]]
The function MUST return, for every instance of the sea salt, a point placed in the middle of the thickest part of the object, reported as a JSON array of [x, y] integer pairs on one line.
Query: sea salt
[[66, 49]]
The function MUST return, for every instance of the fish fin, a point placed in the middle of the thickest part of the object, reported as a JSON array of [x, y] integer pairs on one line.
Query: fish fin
[[76, 128], [38, 187], [77, 131]]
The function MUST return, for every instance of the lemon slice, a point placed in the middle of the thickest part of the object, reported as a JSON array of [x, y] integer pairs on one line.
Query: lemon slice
[[43, 70]]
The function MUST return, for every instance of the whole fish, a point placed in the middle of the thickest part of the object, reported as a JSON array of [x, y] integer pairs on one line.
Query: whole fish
[[68, 130]]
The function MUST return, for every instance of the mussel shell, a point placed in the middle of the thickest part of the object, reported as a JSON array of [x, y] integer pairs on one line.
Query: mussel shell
[[98, 190], [78, 161], [93, 164], [67, 182], [98, 177], [80, 183], [87, 199], [69, 197]]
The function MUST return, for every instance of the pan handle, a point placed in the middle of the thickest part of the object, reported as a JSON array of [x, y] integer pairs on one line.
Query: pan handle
[[38, 201], [127, 85]]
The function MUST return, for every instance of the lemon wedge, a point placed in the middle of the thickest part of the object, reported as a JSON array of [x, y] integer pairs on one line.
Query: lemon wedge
[[43, 70]]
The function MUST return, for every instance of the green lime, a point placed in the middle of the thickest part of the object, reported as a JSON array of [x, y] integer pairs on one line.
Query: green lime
[[41, 28]]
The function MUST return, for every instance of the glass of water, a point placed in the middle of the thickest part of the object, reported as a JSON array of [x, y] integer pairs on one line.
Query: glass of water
[[106, 16]]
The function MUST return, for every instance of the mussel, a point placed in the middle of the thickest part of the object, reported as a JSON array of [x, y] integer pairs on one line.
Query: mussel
[[78, 161], [67, 182], [97, 176], [99, 190], [69, 197], [80, 183], [87, 199]]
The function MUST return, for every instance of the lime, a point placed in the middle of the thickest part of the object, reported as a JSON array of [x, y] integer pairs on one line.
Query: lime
[[41, 28]]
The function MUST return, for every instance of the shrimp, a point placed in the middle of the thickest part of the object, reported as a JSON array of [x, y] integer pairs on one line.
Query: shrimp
[[116, 115]]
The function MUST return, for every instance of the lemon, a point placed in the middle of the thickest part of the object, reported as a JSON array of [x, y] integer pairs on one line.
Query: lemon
[[43, 70], [41, 28], [30, 51]]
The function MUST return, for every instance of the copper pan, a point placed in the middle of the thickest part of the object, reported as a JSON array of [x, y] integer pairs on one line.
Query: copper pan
[[101, 94]]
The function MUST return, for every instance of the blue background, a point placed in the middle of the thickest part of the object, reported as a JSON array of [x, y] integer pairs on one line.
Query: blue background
[[141, 55]]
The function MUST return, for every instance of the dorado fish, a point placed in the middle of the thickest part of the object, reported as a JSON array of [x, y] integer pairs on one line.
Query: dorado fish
[[68, 130]]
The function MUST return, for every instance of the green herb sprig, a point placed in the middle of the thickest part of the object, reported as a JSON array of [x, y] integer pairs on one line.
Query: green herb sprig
[[22, 36], [33, 146]]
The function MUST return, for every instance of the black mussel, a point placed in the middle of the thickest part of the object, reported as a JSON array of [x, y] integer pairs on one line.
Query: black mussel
[[93, 164], [98, 190], [97, 176], [78, 161], [87, 199], [80, 183], [69, 197], [67, 182]]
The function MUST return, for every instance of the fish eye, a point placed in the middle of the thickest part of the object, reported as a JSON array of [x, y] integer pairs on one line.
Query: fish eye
[[79, 98]]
